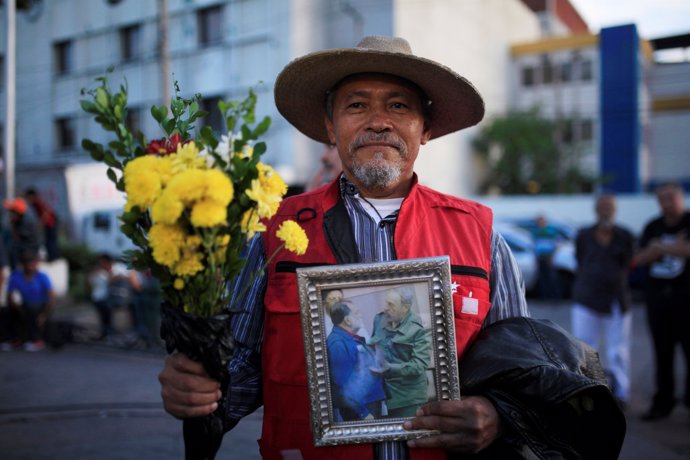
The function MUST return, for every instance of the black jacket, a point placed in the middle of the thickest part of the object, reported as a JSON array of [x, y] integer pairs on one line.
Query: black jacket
[[549, 389]]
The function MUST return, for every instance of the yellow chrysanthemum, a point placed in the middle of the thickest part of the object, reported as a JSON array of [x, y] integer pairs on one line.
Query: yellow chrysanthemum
[[142, 189], [266, 202], [187, 157], [166, 242], [193, 242], [294, 237], [189, 264], [167, 208], [188, 186], [178, 284], [208, 213], [250, 224], [145, 164], [164, 168], [271, 180], [219, 187]]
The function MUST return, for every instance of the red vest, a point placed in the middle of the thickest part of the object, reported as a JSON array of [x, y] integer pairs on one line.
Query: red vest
[[429, 224]]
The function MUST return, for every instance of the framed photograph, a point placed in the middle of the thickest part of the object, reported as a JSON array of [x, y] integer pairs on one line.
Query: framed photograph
[[380, 342]]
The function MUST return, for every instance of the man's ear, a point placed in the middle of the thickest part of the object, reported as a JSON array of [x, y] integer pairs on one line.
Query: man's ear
[[330, 129], [426, 134]]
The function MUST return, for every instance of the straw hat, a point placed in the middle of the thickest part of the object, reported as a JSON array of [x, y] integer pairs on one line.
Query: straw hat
[[301, 88]]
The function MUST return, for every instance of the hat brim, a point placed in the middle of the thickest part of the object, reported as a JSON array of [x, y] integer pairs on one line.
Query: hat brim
[[300, 89]]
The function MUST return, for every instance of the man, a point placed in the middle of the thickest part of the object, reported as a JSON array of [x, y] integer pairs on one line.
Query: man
[[405, 345], [601, 294], [665, 250], [378, 103], [329, 169], [358, 393], [31, 297], [24, 232], [48, 220]]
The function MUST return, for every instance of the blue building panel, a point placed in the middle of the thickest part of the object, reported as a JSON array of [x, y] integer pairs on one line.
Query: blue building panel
[[619, 108]]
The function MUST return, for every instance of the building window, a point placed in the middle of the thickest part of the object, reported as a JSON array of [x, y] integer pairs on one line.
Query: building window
[[64, 57], [586, 130], [130, 43], [528, 76], [566, 71], [65, 133], [547, 71], [133, 120], [210, 25], [214, 119], [586, 70]]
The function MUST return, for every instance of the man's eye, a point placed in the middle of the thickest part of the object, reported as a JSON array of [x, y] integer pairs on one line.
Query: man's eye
[[399, 105], [356, 105]]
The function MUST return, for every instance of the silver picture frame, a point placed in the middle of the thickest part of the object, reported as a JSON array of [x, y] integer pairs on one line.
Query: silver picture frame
[[369, 287]]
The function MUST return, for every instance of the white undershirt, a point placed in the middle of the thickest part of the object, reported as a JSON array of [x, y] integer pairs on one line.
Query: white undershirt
[[384, 206]]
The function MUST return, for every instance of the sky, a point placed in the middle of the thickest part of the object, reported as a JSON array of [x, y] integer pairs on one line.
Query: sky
[[654, 18]]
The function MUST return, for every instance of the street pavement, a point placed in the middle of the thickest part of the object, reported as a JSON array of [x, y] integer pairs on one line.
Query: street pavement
[[91, 400]]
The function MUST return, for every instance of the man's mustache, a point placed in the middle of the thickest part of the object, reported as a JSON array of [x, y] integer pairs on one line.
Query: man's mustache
[[386, 138]]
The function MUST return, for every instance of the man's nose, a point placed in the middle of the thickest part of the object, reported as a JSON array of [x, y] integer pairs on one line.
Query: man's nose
[[379, 119]]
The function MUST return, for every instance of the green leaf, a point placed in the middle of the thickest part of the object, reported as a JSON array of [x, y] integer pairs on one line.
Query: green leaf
[[262, 127], [111, 175], [88, 106], [259, 149]]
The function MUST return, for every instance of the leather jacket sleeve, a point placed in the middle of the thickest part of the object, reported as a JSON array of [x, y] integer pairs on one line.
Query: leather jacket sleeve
[[549, 389]]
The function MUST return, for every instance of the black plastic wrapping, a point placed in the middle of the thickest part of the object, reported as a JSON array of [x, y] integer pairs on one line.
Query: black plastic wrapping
[[208, 341]]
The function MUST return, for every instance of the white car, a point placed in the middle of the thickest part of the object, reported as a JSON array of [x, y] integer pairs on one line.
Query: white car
[[522, 247]]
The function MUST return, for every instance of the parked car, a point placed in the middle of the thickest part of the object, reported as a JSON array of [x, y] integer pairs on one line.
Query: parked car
[[563, 259], [522, 247]]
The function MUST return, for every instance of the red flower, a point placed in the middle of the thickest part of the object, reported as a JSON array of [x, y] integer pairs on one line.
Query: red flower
[[165, 146]]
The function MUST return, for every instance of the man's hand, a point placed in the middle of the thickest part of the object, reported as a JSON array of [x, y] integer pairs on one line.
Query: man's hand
[[467, 426], [186, 388]]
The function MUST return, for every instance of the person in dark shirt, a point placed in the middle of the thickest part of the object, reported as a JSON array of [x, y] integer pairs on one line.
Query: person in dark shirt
[[665, 251], [601, 295]]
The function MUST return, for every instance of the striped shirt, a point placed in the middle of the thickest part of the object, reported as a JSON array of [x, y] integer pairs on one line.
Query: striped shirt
[[374, 242]]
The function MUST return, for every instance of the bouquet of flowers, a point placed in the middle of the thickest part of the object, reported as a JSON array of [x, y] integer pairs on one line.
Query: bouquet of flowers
[[194, 201]]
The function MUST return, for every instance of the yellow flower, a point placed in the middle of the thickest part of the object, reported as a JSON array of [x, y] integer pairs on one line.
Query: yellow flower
[[188, 186], [271, 181], [267, 204], [164, 167], [145, 164], [190, 263], [142, 189], [208, 213], [294, 237], [187, 157], [178, 284], [166, 242], [251, 224], [167, 208], [219, 187]]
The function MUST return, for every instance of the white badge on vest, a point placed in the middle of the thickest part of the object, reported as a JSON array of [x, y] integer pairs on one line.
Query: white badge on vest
[[470, 305]]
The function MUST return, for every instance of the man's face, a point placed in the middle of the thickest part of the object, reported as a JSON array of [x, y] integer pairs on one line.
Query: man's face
[[670, 201], [606, 209], [394, 308], [354, 319], [378, 126]]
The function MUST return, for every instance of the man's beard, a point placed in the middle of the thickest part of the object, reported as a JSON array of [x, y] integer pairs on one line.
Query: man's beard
[[377, 173]]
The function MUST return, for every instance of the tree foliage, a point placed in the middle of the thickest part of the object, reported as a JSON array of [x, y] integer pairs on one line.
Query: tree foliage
[[523, 156]]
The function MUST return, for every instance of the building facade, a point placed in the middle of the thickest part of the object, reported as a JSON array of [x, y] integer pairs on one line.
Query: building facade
[[519, 54]]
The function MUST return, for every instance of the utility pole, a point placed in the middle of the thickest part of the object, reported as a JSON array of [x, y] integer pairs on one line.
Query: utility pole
[[164, 51], [11, 98]]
